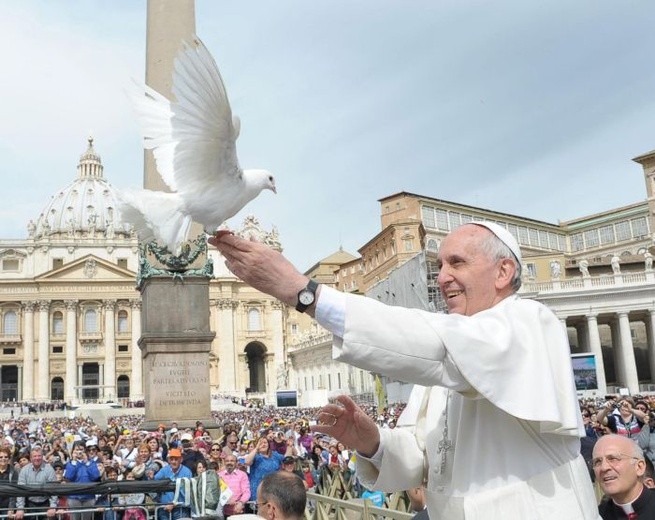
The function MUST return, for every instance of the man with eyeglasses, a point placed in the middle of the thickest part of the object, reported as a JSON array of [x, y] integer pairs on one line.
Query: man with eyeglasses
[[231, 445], [619, 465], [281, 496], [238, 483]]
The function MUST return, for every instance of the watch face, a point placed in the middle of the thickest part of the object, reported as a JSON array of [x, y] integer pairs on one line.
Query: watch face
[[306, 297]]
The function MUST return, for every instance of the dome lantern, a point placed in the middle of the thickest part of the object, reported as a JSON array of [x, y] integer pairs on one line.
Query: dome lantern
[[90, 166]]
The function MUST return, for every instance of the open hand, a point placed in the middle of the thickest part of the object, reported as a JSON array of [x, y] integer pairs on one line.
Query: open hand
[[348, 423]]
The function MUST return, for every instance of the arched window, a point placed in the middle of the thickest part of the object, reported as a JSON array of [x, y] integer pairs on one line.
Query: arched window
[[433, 246], [57, 322], [90, 321], [10, 323], [122, 322], [254, 320]]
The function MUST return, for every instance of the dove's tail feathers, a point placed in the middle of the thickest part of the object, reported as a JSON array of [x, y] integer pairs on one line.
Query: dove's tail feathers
[[155, 215], [154, 114]]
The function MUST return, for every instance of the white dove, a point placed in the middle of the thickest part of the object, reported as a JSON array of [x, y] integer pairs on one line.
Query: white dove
[[194, 143]]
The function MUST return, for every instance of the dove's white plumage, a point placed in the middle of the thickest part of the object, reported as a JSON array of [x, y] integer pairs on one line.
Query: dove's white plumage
[[193, 140]]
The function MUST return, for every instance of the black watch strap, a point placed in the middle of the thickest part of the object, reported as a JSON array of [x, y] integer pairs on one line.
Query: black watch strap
[[311, 288]]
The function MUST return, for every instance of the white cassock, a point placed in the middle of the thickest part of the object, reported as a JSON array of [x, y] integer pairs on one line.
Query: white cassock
[[504, 376]]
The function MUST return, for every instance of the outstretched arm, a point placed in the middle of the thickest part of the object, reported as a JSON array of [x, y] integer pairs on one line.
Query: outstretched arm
[[261, 267]]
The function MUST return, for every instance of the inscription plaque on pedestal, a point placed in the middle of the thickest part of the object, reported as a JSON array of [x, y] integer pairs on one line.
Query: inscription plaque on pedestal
[[175, 343]]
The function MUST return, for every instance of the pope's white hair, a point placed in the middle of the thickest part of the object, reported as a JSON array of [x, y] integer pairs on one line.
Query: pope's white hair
[[496, 250]]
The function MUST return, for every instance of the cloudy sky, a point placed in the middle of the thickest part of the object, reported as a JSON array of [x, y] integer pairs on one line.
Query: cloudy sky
[[530, 108]]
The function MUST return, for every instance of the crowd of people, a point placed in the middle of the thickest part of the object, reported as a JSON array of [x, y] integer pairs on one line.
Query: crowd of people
[[239, 451], [236, 453]]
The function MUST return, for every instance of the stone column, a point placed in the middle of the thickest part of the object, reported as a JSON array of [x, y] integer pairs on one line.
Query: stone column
[[228, 364], [71, 351], [595, 347], [19, 389], [43, 370], [650, 335], [28, 352], [136, 379], [564, 326], [110, 350], [101, 380], [628, 354], [243, 374], [280, 373]]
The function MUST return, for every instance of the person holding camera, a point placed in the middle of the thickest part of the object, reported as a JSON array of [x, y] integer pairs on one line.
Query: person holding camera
[[622, 417], [81, 470]]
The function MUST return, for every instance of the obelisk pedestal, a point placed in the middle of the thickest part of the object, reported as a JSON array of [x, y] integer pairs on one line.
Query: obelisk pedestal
[[175, 344]]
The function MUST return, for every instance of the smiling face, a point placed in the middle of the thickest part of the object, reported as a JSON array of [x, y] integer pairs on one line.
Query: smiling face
[[617, 468], [36, 458], [469, 279]]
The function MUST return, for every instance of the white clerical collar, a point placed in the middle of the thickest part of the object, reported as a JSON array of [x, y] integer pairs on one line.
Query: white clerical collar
[[627, 508]]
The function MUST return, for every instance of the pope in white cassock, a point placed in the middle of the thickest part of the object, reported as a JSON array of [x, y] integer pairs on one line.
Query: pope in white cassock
[[496, 433]]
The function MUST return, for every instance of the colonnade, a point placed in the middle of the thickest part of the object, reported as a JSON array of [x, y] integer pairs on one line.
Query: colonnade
[[620, 337], [38, 358]]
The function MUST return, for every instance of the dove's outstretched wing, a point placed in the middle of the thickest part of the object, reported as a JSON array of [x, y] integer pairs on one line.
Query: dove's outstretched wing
[[194, 137]]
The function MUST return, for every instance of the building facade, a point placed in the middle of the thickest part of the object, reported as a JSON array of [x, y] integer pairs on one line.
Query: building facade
[[70, 315]]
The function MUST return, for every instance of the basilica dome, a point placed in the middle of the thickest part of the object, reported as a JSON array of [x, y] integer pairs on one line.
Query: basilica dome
[[85, 208]]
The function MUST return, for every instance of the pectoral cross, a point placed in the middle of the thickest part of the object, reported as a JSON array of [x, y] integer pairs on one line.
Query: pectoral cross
[[445, 444]]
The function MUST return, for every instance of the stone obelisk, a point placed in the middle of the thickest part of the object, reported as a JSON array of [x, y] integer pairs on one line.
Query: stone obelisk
[[175, 333], [169, 23]]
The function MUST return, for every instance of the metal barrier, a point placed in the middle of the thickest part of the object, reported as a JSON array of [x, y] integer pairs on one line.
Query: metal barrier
[[328, 508], [336, 499], [60, 512]]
